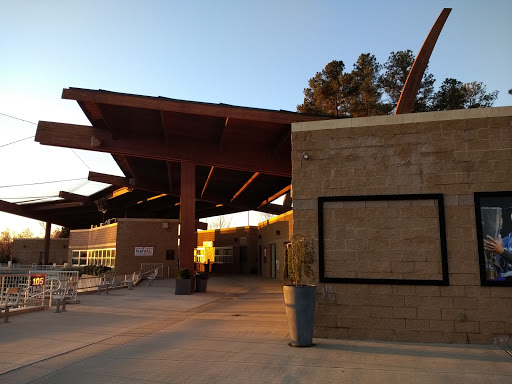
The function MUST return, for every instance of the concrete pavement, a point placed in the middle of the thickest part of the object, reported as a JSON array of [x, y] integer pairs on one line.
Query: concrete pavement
[[235, 333]]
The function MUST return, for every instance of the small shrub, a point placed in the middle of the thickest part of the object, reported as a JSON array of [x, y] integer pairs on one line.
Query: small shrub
[[301, 257], [183, 273]]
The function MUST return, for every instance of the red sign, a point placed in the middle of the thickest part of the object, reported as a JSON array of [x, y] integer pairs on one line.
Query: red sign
[[36, 280]]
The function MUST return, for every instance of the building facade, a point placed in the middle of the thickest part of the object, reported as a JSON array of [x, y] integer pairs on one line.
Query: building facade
[[392, 203], [126, 244]]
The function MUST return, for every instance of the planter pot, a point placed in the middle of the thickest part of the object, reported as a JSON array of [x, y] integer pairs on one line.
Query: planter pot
[[183, 287], [201, 284], [300, 310]]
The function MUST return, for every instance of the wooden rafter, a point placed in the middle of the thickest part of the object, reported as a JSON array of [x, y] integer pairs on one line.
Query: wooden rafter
[[275, 196], [75, 197], [173, 176], [181, 106], [207, 181], [245, 186], [245, 158], [220, 139], [282, 138]]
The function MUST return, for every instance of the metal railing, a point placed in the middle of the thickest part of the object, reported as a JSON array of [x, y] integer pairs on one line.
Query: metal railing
[[33, 295], [148, 268]]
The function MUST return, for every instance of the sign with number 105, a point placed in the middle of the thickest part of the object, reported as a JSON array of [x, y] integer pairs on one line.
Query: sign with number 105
[[36, 280]]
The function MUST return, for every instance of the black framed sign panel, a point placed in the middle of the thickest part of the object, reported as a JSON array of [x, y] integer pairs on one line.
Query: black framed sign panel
[[383, 239]]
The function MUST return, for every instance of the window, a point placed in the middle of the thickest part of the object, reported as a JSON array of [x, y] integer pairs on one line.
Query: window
[[106, 257]]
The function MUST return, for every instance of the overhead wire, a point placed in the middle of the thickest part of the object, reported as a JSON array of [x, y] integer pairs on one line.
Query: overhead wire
[[30, 137], [42, 182]]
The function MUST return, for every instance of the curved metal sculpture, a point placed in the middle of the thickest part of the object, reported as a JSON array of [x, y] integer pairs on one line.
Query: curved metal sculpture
[[413, 82]]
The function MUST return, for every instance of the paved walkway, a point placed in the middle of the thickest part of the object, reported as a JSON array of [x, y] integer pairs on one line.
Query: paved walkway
[[235, 333]]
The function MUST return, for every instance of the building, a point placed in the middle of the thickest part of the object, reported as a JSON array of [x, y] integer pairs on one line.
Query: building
[[395, 206], [126, 244]]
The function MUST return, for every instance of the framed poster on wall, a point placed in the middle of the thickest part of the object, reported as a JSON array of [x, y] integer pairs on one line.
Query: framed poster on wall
[[493, 214]]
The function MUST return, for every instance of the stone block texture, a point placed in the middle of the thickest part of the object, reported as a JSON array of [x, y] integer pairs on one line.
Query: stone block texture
[[454, 153]]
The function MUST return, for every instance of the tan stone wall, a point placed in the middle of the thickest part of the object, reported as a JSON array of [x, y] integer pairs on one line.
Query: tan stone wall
[[455, 153], [382, 239], [275, 231], [29, 251]]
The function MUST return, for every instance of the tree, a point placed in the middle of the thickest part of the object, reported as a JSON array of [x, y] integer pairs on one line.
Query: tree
[[327, 92], [364, 89], [396, 72], [60, 233], [453, 94], [25, 234], [361, 92], [219, 222], [6, 239]]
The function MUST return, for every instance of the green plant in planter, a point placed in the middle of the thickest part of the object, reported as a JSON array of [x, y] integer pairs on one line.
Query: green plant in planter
[[183, 273], [301, 257], [299, 294]]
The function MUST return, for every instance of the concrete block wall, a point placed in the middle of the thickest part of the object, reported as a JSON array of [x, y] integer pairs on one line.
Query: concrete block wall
[[455, 153]]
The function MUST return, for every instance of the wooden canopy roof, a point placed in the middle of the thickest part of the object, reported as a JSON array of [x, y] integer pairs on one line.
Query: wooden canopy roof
[[242, 157]]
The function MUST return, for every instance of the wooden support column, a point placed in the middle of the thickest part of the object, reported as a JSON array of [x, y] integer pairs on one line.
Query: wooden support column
[[47, 243], [187, 215]]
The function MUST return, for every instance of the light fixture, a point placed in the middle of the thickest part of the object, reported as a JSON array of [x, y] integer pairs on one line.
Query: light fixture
[[305, 156]]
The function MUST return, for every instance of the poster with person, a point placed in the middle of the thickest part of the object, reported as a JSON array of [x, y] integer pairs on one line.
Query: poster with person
[[493, 212]]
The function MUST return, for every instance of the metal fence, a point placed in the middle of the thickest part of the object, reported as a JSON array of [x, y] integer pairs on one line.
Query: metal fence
[[33, 295], [148, 268]]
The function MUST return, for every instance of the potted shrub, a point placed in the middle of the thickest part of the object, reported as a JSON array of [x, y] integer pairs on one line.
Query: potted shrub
[[201, 281], [183, 282], [299, 294]]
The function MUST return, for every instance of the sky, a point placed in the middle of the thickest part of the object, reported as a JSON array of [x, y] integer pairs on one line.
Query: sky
[[247, 53]]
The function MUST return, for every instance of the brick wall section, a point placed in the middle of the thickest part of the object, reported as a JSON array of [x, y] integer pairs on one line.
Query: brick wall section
[[30, 251], [454, 153], [275, 231], [133, 233], [228, 237], [127, 234]]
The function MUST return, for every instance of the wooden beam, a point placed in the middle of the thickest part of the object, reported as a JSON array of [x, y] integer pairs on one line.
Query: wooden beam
[[118, 181], [245, 158], [190, 107], [207, 181], [220, 138], [74, 197], [246, 185], [413, 82], [284, 137], [173, 176], [187, 215], [47, 235], [275, 196]]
